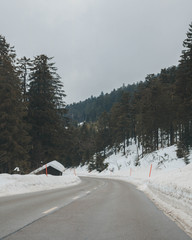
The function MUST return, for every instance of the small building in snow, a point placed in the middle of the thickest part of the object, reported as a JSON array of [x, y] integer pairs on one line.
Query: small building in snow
[[54, 168]]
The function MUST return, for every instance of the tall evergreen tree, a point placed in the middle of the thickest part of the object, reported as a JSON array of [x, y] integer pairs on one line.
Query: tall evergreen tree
[[46, 112], [103, 139], [23, 67], [184, 89], [13, 136]]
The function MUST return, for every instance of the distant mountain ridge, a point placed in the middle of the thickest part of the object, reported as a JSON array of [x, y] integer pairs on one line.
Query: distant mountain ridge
[[90, 109]]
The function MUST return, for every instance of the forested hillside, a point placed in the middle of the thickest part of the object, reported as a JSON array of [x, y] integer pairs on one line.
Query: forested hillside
[[159, 114], [92, 108], [34, 127]]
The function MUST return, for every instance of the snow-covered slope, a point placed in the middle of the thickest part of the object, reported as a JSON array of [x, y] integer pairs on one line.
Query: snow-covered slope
[[170, 183]]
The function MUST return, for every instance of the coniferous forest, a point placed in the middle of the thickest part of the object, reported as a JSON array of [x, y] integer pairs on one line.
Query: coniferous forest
[[36, 126]]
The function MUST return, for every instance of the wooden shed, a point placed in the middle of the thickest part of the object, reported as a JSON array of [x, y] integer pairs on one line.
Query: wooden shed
[[54, 168]]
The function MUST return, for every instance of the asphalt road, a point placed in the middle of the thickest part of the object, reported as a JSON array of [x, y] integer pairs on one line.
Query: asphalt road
[[96, 209]]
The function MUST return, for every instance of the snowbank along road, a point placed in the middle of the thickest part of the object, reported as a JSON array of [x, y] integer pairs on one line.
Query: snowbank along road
[[96, 209]]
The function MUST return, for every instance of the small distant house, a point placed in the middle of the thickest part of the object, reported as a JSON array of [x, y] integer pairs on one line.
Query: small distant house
[[54, 168]]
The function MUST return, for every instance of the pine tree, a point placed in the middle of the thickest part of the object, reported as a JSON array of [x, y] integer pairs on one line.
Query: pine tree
[[114, 126], [23, 67], [46, 112], [168, 106], [13, 135], [103, 139], [184, 89], [86, 141]]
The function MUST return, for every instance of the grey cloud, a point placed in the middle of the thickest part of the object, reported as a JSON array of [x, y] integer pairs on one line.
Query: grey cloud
[[98, 44]]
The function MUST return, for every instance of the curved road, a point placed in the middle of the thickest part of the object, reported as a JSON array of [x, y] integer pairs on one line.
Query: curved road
[[96, 209]]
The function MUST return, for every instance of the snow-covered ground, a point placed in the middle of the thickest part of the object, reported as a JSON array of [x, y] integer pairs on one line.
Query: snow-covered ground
[[17, 184], [169, 186], [170, 183]]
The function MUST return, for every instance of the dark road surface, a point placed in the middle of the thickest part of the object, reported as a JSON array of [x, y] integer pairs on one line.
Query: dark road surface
[[96, 209]]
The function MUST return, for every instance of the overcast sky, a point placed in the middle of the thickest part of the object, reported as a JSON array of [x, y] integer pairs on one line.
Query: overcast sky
[[98, 45]]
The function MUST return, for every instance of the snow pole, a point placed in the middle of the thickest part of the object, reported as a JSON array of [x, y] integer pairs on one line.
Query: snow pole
[[130, 171], [46, 168], [150, 171], [75, 172]]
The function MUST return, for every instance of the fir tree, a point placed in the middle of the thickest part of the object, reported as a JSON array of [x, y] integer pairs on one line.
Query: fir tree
[[46, 112], [13, 135], [184, 89], [23, 67], [103, 139]]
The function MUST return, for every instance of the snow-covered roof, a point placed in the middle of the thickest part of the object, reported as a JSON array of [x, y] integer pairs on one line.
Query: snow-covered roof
[[54, 164]]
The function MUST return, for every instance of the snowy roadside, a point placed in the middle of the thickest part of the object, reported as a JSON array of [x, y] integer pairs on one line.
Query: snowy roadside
[[170, 184], [170, 190], [18, 184]]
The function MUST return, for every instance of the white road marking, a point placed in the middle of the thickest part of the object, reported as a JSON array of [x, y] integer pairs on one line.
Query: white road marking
[[88, 192], [50, 210]]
